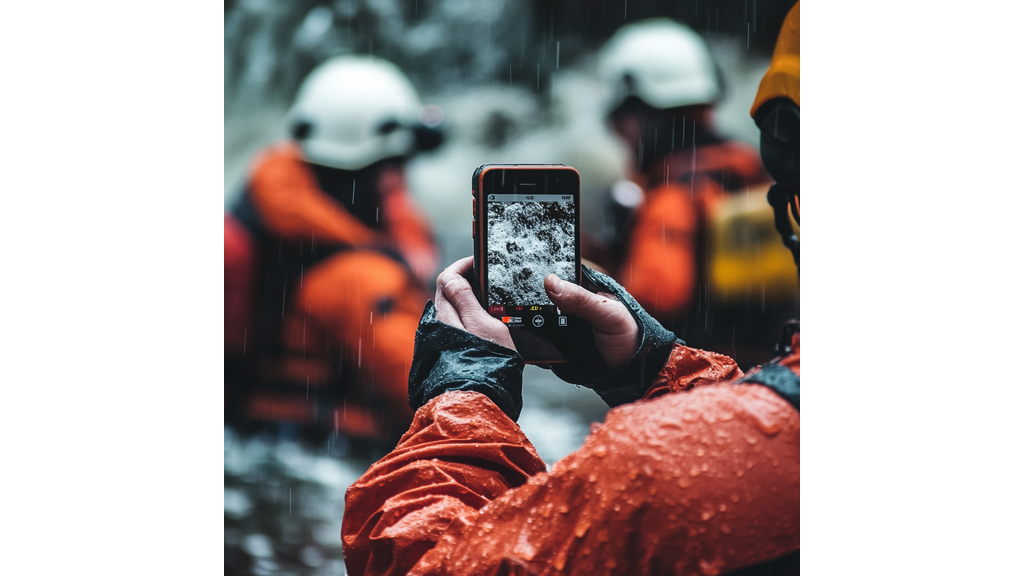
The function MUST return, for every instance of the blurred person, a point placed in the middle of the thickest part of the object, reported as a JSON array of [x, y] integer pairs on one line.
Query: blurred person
[[694, 471], [664, 87], [327, 257]]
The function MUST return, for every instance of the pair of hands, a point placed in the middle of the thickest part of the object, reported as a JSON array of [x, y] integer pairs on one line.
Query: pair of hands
[[615, 332]]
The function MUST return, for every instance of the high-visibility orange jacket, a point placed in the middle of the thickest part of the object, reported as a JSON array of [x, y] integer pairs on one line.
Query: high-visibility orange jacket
[[335, 292], [661, 266], [702, 476], [294, 209]]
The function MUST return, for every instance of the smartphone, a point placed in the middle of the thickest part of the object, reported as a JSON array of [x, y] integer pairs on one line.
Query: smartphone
[[526, 225]]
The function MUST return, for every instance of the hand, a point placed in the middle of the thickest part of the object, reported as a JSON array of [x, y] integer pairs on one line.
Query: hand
[[457, 306], [639, 347], [615, 332], [461, 347]]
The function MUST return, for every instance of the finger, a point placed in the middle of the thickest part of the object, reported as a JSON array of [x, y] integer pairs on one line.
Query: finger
[[447, 314], [615, 331], [459, 294], [445, 311], [603, 311]]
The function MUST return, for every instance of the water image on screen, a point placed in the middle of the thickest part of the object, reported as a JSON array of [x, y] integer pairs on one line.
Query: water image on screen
[[526, 241]]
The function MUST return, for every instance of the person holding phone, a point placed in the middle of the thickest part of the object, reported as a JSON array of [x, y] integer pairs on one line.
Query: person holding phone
[[341, 258], [694, 471]]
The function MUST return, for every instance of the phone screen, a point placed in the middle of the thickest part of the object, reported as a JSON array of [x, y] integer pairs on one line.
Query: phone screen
[[530, 228]]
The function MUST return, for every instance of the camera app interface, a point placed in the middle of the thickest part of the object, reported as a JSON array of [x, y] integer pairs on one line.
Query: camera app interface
[[528, 237]]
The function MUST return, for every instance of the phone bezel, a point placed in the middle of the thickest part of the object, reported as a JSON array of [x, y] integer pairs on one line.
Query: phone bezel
[[480, 247]]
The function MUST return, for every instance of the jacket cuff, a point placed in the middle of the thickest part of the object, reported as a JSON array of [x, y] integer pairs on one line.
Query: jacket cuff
[[447, 358]]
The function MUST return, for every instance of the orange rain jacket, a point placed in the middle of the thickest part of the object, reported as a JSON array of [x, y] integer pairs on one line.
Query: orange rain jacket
[[661, 266], [702, 476], [285, 193], [351, 306]]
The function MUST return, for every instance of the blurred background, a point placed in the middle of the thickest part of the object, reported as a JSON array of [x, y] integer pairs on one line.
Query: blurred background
[[516, 82]]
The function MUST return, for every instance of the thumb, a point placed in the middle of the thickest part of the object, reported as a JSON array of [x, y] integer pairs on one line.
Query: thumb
[[603, 311]]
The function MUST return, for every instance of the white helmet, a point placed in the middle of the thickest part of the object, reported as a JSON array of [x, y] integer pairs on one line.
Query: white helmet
[[352, 111], [661, 62]]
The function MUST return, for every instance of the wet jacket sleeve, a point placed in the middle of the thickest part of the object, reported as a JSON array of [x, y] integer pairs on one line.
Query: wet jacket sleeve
[[701, 481], [447, 358], [460, 453], [285, 192], [704, 481]]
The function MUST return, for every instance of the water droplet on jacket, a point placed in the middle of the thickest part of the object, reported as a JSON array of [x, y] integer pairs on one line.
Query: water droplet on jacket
[[735, 498], [561, 558], [700, 451], [592, 478], [610, 564], [685, 482], [751, 440], [617, 507], [525, 550], [704, 467], [726, 529], [766, 423], [600, 450], [707, 514], [722, 507], [487, 526], [581, 528], [633, 473], [711, 567], [694, 471], [564, 509], [653, 490]]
